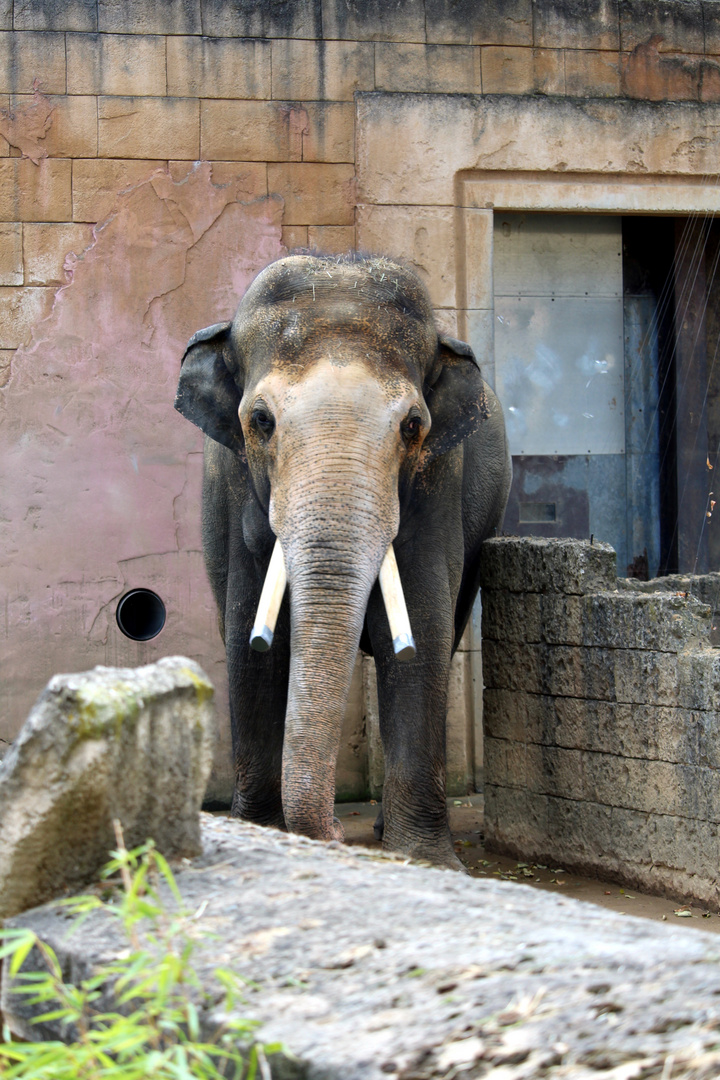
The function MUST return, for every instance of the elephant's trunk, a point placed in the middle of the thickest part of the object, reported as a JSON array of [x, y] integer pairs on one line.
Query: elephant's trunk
[[325, 638], [334, 537]]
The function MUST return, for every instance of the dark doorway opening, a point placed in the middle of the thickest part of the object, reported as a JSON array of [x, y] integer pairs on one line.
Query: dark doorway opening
[[649, 301]]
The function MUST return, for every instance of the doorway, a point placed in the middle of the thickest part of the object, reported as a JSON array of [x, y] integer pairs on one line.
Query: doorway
[[603, 326]]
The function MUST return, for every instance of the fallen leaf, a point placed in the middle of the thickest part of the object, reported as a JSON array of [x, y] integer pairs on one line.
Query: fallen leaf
[[347, 958], [683, 913], [464, 1052], [521, 1008], [259, 942]]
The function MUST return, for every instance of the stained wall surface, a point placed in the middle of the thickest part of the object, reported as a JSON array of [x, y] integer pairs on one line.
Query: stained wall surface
[[155, 154]]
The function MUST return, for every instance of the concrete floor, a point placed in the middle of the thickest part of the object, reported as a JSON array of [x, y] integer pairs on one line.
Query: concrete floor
[[466, 818]]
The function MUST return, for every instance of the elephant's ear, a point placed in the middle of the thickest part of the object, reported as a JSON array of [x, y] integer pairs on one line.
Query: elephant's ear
[[455, 396], [207, 393]]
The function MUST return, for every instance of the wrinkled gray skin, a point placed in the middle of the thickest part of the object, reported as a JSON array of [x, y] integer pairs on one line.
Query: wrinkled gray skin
[[340, 421]]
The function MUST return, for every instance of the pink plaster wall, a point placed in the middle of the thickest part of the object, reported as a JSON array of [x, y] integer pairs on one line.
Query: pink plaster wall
[[99, 476]]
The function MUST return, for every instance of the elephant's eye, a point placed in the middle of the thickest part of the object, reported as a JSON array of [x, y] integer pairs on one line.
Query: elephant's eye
[[263, 421], [410, 427]]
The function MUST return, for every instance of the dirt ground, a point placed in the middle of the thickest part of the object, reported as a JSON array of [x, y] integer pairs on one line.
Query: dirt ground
[[466, 817]]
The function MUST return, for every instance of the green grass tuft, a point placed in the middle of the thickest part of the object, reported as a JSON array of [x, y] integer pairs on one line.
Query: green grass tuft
[[157, 1023]]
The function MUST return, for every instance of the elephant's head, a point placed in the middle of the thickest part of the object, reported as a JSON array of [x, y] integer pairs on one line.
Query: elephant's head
[[336, 391]]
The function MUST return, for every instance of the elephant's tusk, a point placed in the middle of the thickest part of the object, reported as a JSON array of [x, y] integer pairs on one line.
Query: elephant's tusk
[[391, 588], [273, 590]]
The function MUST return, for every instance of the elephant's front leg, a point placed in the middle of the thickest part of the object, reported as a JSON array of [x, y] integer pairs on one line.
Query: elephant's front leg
[[258, 700], [412, 697]]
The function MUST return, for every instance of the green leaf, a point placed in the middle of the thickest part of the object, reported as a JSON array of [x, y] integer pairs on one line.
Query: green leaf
[[161, 1036], [193, 1023], [19, 956], [56, 1014], [167, 873], [48, 955]]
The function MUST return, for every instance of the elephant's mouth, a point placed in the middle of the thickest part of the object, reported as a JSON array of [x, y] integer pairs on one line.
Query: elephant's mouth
[[263, 630]]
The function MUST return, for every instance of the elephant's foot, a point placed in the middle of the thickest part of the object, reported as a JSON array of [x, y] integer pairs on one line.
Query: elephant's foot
[[379, 826], [338, 830], [418, 830], [440, 855], [318, 829], [422, 846], [259, 812]]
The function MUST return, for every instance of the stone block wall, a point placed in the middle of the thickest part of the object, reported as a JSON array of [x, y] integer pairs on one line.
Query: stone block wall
[[602, 719], [95, 95]]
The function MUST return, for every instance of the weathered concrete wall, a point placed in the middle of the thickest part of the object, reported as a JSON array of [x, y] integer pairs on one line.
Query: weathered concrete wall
[[602, 719], [99, 476], [322, 124]]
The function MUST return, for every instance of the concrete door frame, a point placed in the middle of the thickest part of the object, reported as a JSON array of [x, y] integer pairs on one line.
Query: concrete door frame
[[481, 194]]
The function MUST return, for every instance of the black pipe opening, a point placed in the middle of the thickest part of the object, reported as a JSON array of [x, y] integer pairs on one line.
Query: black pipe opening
[[140, 614]]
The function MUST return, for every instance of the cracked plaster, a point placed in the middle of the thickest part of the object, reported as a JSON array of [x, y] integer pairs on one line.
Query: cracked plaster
[[99, 476], [26, 124]]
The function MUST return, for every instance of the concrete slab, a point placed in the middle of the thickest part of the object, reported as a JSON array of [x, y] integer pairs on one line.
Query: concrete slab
[[366, 967]]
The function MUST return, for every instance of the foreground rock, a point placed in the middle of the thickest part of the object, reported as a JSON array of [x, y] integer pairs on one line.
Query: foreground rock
[[367, 968], [108, 743]]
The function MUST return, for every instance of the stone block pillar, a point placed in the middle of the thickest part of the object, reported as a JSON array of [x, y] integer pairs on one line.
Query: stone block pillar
[[601, 719]]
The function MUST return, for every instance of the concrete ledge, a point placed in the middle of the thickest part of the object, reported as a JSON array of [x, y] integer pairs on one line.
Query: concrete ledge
[[433, 971]]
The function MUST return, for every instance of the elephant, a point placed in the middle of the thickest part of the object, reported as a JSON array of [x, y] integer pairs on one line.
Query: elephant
[[339, 421]]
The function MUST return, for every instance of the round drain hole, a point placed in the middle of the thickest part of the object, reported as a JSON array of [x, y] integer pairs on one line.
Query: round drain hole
[[140, 614]]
